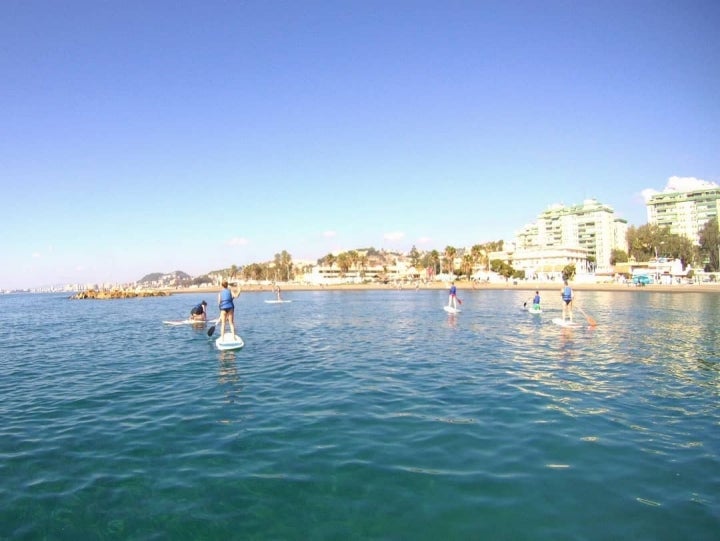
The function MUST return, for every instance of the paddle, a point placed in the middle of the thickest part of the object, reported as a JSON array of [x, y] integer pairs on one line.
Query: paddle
[[590, 320], [211, 330]]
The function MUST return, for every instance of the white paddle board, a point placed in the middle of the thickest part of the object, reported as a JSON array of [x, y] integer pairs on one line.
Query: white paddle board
[[565, 322], [451, 310], [276, 301], [186, 322], [229, 341]]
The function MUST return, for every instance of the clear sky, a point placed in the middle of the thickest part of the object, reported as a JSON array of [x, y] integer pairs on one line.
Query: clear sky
[[152, 136]]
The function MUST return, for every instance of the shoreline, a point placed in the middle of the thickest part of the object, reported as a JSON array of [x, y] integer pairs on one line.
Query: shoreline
[[465, 286]]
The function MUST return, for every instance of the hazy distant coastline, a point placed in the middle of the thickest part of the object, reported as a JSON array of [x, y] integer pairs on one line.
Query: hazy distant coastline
[[467, 286]]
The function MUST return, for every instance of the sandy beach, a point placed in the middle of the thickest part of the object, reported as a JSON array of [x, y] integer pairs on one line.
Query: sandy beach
[[520, 286]]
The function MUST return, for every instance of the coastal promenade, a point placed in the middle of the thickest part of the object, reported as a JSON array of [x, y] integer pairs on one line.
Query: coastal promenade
[[475, 286]]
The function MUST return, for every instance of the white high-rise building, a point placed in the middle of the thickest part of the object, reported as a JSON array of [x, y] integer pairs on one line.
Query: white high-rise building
[[684, 212], [591, 226]]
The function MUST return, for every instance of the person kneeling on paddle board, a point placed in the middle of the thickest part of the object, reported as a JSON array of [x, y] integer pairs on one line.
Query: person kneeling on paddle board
[[227, 308], [567, 297], [536, 301], [199, 312]]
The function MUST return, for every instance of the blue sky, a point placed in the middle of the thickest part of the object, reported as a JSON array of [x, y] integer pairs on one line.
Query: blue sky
[[155, 136]]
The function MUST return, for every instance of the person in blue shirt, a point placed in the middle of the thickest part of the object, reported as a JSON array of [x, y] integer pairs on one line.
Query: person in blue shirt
[[452, 299], [227, 307], [536, 301], [567, 297], [199, 312]]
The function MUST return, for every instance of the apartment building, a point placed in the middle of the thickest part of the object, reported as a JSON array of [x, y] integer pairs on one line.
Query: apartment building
[[684, 212], [590, 226]]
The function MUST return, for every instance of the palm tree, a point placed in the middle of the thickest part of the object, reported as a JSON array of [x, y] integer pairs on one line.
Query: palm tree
[[344, 262], [354, 258], [363, 262], [449, 259], [283, 262], [476, 252], [328, 260], [467, 264], [414, 256], [435, 259]]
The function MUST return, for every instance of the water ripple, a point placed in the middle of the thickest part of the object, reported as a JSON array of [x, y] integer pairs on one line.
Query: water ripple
[[362, 415]]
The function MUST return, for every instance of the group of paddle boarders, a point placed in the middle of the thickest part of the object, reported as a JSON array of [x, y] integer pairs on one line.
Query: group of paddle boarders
[[226, 304], [566, 293]]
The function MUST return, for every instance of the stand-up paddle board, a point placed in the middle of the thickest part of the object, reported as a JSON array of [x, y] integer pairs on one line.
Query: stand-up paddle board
[[565, 322], [229, 341], [277, 302], [534, 310], [186, 322], [451, 310]]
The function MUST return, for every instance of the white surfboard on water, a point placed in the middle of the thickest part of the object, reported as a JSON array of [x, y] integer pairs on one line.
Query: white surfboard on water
[[186, 322], [276, 301], [451, 310], [229, 341], [565, 322]]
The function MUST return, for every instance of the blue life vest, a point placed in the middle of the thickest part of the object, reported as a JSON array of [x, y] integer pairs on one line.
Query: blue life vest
[[567, 293], [226, 300]]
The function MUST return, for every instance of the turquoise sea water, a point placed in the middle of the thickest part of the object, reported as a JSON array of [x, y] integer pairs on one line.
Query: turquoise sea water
[[362, 415]]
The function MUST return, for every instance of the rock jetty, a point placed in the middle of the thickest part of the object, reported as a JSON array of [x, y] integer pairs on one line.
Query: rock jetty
[[119, 294]]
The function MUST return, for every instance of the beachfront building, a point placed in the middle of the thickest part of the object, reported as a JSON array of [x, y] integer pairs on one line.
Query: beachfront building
[[562, 234], [544, 264], [684, 212]]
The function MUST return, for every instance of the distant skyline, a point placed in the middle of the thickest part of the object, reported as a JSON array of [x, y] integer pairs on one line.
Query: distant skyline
[[144, 137]]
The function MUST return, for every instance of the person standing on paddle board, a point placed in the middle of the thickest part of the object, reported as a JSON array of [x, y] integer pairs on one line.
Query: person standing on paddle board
[[536, 301], [567, 297], [452, 299], [227, 307], [199, 312]]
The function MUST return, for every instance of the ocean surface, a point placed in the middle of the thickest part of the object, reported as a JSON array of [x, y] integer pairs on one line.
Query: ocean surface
[[362, 415]]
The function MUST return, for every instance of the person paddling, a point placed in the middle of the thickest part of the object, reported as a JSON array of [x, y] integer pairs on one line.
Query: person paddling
[[227, 307], [536, 301], [567, 297], [452, 299]]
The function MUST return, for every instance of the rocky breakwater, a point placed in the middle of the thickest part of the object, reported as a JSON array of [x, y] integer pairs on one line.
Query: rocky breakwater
[[118, 294]]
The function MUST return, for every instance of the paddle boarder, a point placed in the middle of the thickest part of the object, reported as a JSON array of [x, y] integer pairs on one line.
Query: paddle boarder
[[452, 299], [536, 301], [227, 307], [199, 312], [567, 297]]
